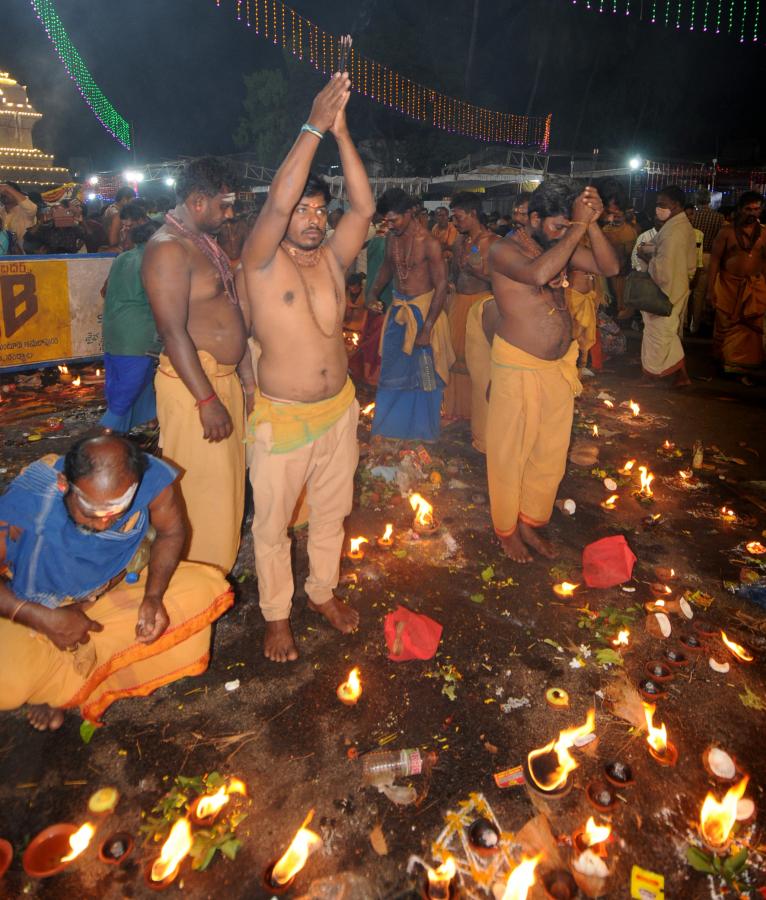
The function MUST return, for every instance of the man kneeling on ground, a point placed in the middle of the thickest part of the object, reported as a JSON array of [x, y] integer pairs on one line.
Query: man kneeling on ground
[[74, 630]]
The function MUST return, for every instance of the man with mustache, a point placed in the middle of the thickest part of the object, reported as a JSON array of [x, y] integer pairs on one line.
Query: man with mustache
[[534, 360], [304, 420]]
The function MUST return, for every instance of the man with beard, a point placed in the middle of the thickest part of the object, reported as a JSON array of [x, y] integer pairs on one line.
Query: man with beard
[[79, 626], [304, 420], [188, 280], [470, 275], [534, 360], [416, 350], [737, 288]]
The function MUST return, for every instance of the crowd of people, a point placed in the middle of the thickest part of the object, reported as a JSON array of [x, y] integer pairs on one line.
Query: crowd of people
[[239, 332]]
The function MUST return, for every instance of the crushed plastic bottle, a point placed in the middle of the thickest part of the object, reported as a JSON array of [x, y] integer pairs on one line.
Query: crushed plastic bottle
[[140, 558]]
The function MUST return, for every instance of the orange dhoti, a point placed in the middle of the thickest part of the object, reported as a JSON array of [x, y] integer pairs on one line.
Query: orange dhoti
[[582, 309], [113, 665], [740, 304], [478, 362], [531, 405], [457, 394]]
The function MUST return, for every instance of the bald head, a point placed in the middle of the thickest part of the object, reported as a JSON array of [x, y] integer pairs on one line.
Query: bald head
[[108, 460]]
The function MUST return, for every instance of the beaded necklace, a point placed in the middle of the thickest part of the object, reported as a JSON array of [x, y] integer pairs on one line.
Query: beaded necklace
[[522, 239], [309, 259], [212, 250]]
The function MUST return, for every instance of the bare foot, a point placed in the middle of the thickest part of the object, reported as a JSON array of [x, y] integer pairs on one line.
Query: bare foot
[[539, 544], [278, 643], [338, 613], [516, 548], [45, 718]]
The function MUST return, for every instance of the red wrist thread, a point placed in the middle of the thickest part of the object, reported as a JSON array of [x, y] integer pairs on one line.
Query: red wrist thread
[[213, 396]]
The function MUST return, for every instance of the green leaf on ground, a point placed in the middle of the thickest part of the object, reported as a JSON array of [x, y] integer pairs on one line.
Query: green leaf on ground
[[400, 554], [735, 863], [87, 730], [488, 574], [699, 860], [477, 598], [752, 700], [607, 657]]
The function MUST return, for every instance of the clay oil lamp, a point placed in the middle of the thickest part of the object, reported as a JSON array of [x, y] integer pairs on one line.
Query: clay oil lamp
[[651, 690], [484, 837], [660, 590], [717, 818], [668, 446], [676, 658], [589, 861], [424, 522], [728, 515], [521, 879], [548, 769], [206, 808], [386, 540], [355, 551], [351, 690], [6, 856], [627, 469], [162, 872], [736, 650], [368, 410], [559, 885], [645, 492], [116, 848], [591, 836], [54, 848], [686, 477], [704, 627], [652, 521], [622, 639], [658, 671], [635, 409], [618, 774], [565, 590], [691, 643], [439, 886], [660, 747], [65, 376], [280, 875], [755, 548], [610, 502], [601, 796]]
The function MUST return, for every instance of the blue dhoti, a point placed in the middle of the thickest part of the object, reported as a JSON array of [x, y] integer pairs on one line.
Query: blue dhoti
[[129, 392]]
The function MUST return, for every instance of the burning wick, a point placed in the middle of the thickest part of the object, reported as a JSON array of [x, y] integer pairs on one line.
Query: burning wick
[[717, 818], [565, 590], [387, 538], [350, 691], [755, 548], [685, 474], [557, 779], [521, 879], [78, 842], [424, 513], [622, 639], [207, 806], [627, 468], [98, 373], [610, 502], [668, 446], [608, 404], [595, 431], [657, 738], [634, 408], [76, 381], [175, 849], [646, 482], [728, 515], [369, 409], [592, 836], [736, 649], [294, 858], [65, 376], [356, 551], [439, 880]]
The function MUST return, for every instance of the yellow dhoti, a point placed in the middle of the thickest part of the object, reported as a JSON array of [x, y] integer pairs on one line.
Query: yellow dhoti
[[113, 665], [740, 304], [582, 309], [296, 445], [528, 430], [213, 479], [478, 362], [457, 394]]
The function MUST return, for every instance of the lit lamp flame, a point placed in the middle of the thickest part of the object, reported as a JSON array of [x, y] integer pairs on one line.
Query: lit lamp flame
[[78, 842], [595, 431], [566, 764], [565, 590], [595, 834], [634, 408], [610, 502], [755, 548], [667, 445], [98, 373], [424, 512], [439, 879], [387, 538], [627, 468], [356, 551], [657, 738], [368, 410], [608, 404], [622, 638], [717, 819], [685, 474], [737, 649], [355, 339], [521, 879], [174, 851], [646, 482], [294, 858], [728, 515], [76, 381], [350, 691], [211, 804]]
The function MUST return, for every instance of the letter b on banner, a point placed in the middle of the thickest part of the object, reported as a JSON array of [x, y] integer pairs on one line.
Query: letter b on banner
[[18, 296]]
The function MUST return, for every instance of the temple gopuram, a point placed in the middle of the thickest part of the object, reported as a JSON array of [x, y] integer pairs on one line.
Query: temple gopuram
[[20, 160]]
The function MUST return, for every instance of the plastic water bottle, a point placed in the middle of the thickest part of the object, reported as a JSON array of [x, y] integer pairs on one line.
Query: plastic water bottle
[[140, 558], [385, 766], [427, 369]]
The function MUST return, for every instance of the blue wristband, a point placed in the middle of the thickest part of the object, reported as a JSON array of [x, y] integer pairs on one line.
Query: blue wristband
[[311, 130]]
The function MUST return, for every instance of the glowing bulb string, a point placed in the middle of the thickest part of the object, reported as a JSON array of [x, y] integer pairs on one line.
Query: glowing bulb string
[[280, 24], [91, 93]]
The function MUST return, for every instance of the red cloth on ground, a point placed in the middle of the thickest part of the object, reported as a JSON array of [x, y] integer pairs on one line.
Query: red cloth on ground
[[607, 562], [418, 637]]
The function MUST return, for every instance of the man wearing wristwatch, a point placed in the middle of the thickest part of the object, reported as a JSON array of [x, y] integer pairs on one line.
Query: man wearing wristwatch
[[80, 626], [188, 279], [303, 425]]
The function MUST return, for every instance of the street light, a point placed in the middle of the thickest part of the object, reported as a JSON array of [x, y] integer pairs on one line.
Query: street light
[[130, 175], [170, 182], [93, 180], [635, 163]]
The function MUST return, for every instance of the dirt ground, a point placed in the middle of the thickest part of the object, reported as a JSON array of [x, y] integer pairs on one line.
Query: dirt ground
[[480, 703]]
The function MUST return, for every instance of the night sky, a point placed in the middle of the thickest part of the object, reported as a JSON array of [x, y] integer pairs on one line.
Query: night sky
[[174, 68]]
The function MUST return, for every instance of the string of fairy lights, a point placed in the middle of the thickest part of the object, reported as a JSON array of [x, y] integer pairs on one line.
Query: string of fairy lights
[[91, 93], [308, 42], [740, 19]]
